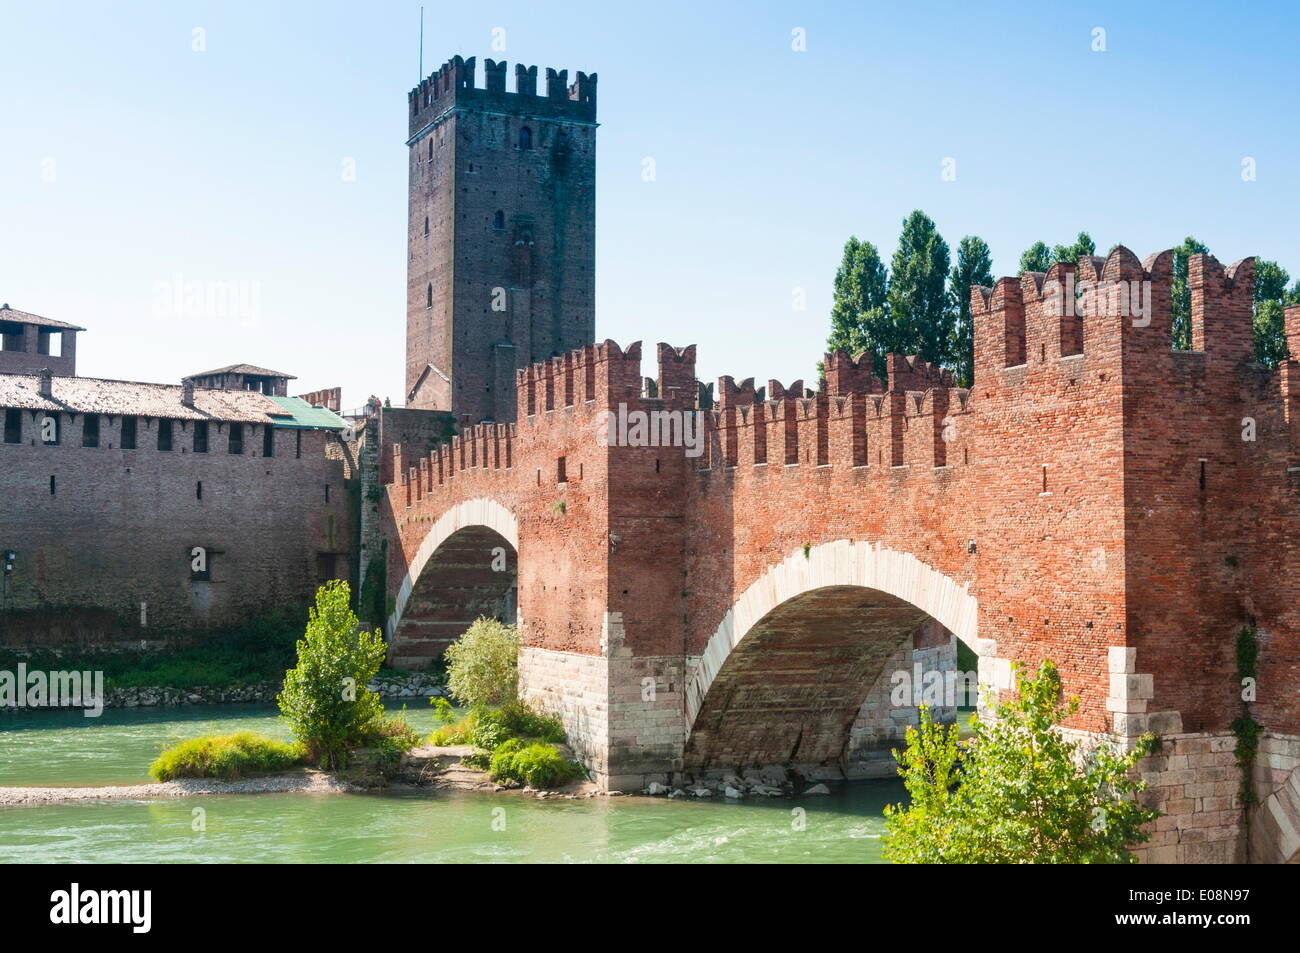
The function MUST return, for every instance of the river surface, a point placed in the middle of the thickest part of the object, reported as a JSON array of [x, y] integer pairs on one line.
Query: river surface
[[65, 748]]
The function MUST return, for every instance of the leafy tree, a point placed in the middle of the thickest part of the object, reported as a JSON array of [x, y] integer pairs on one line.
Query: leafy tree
[[1019, 793], [1181, 293], [974, 267], [1037, 257], [859, 321], [324, 697], [482, 665], [919, 307], [1271, 298], [1083, 245]]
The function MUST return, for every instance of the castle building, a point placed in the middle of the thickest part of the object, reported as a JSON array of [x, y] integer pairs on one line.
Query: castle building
[[137, 511], [29, 343], [501, 233]]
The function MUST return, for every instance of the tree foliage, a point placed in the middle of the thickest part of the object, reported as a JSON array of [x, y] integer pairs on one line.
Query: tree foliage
[[1271, 299], [974, 267], [324, 697], [1020, 792], [1180, 293], [859, 321], [482, 665], [920, 309]]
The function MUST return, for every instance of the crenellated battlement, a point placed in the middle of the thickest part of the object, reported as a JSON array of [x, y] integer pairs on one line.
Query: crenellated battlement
[[453, 84], [1110, 308]]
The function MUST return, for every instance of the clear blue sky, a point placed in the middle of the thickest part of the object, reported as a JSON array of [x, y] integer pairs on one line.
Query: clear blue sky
[[226, 165]]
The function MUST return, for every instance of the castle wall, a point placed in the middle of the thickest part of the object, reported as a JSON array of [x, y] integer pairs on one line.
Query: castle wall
[[100, 530]]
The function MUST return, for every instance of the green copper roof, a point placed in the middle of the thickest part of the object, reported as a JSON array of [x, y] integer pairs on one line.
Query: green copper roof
[[301, 415]]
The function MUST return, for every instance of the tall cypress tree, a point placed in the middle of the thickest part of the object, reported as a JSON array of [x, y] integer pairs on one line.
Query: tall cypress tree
[[920, 309], [859, 319], [974, 267]]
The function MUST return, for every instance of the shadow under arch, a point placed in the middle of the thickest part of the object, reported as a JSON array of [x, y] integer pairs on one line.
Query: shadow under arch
[[466, 567], [786, 673]]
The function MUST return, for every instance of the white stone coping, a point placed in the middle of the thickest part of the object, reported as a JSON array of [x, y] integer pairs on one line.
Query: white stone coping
[[841, 563]]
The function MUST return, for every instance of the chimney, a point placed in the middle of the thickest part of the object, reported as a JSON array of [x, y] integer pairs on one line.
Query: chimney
[[47, 382], [187, 392]]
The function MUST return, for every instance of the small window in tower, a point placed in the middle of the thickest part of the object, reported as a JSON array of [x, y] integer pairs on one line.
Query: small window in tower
[[426, 225], [236, 438], [525, 138], [90, 430], [268, 441], [164, 435], [560, 475], [200, 436], [128, 433], [499, 221], [428, 298]]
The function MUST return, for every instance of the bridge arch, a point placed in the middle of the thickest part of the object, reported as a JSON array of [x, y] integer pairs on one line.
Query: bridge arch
[[827, 621], [466, 565]]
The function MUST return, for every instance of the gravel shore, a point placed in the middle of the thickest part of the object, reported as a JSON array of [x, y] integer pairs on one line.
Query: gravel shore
[[303, 782]]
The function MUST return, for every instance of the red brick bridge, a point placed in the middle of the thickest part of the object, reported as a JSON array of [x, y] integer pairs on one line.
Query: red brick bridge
[[1096, 498]]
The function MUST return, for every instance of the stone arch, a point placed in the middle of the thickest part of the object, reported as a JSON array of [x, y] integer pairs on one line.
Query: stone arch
[[482, 517], [840, 564]]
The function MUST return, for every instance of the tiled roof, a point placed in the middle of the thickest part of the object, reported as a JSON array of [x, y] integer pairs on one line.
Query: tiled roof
[[92, 395], [306, 417], [22, 317], [245, 369]]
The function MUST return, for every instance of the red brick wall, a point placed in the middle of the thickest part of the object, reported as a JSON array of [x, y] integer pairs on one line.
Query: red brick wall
[[119, 528], [1072, 466]]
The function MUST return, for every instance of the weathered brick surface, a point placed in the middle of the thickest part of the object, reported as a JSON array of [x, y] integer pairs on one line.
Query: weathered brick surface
[[119, 528], [501, 262], [1062, 496]]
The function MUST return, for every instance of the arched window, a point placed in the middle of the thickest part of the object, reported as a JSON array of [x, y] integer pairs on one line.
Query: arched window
[[499, 220], [428, 297], [525, 138]]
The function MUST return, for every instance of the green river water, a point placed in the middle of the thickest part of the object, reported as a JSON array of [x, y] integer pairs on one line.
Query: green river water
[[65, 748]]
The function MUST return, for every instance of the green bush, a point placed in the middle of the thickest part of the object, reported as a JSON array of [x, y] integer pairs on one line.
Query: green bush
[[254, 651], [390, 737], [457, 733], [1019, 792], [225, 756], [537, 765], [523, 722], [482, 665], [325, 698]]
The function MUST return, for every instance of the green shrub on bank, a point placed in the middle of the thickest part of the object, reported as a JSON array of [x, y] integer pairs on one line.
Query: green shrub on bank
[[390, 738], [251, 652], [537, 765], [325, 698], [228, 757], [482, 665], [487, 728]]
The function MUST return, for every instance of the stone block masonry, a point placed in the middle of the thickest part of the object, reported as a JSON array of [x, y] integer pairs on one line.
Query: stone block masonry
[[1094, 499]]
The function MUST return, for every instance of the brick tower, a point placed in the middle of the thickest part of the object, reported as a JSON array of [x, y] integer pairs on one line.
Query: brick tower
[[501, 260]]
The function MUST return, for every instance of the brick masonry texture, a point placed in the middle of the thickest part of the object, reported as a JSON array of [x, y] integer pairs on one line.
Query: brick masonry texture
[[1091, 492], [100, 530], [501, 256]]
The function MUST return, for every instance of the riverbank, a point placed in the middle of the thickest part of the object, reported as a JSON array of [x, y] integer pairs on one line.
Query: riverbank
[[299, 782], [392, 686]]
